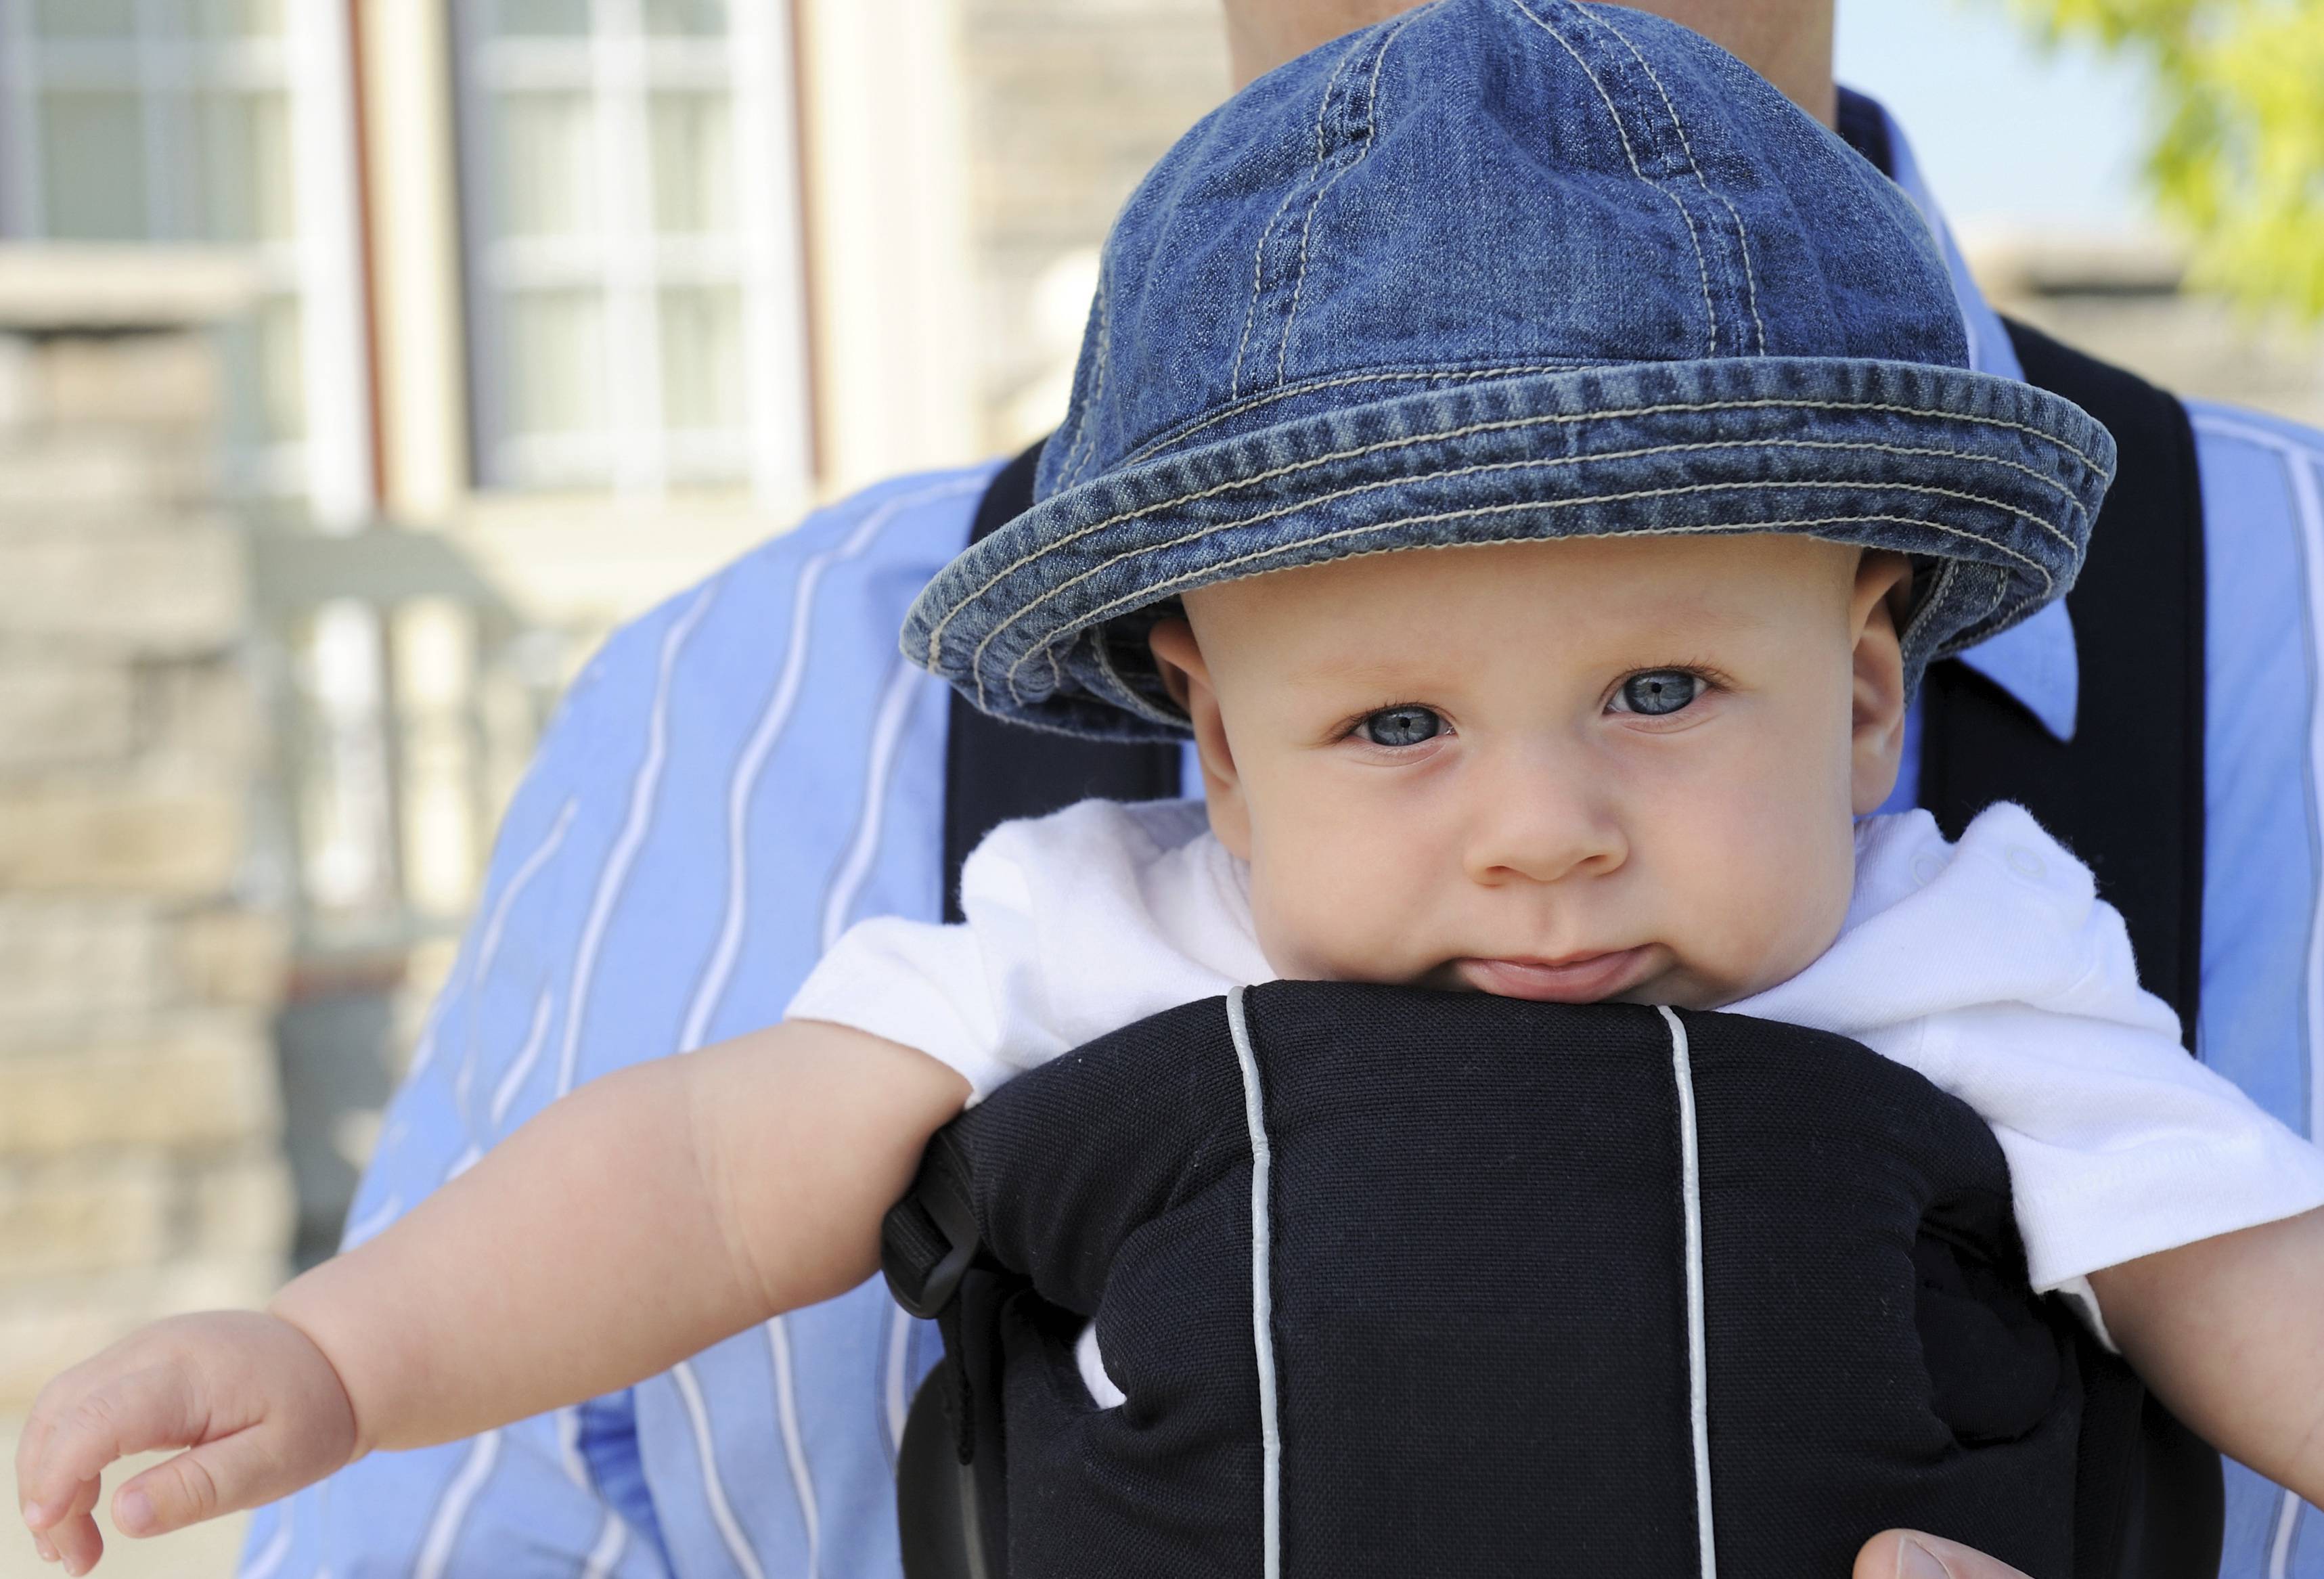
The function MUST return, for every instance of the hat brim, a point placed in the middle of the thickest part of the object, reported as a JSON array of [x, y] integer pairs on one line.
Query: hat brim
[[1994, 482]]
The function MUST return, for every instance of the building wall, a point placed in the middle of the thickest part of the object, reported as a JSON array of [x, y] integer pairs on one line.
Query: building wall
[[2124, 299], [1067, 104], [141, 951]]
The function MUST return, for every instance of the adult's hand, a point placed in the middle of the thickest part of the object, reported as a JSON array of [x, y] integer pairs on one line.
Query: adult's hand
[[1906, 1554]]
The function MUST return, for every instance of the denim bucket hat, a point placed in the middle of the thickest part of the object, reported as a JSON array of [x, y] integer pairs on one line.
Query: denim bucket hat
[[1495, 270]]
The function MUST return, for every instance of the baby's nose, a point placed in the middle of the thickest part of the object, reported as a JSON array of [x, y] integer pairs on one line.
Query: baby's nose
[[1544, 819]]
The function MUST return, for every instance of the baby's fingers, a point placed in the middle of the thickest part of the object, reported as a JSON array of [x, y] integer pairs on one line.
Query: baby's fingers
[[260, 1464], [78, 1428], [74, 1536]]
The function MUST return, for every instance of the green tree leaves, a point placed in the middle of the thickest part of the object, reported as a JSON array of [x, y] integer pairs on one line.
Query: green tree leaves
[[2237, 156]]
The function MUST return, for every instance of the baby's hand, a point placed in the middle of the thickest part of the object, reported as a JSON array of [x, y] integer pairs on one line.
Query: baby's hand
[[255, 1399]]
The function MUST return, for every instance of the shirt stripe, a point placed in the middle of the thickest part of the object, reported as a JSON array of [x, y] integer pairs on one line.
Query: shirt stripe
[[778, 1340], [721, 1511], [771, 725], [906, 686], [634, 834], [444, 1530]]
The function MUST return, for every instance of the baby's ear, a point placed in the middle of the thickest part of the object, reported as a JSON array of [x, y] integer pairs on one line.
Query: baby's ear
[[1188, 679], [1884, 585]]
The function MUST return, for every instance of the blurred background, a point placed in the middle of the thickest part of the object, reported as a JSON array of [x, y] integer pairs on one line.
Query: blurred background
[[362, 362]]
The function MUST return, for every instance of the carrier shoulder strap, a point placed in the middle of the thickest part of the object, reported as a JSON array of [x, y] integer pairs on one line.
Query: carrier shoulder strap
[[2125, 794], [996, 771]]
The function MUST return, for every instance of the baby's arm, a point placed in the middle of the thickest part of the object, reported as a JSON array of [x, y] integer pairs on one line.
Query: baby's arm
[[636, 1222], [2229, 1332]]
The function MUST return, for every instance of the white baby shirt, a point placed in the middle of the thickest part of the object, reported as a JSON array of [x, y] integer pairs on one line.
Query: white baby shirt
[[1990, 966]]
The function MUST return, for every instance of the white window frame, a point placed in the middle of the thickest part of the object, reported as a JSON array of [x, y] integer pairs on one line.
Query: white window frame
[[628, 263], [321, 265]]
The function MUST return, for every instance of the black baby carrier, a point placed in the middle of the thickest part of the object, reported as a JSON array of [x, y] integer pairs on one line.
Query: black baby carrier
[[1401, 1283]]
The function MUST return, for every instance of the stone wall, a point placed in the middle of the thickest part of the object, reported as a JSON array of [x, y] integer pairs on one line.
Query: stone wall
[[140, 1168]]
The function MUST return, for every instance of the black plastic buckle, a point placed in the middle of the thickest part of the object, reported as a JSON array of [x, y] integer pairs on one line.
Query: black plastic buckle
[[939, 1197]]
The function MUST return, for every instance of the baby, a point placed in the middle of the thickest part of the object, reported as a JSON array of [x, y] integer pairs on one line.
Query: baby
[[1616, 769], [1536, 465]]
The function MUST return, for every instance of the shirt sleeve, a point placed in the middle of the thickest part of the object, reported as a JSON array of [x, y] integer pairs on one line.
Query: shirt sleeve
[[1077, 924], [976, 995], [2119, 1143], [914, 983]]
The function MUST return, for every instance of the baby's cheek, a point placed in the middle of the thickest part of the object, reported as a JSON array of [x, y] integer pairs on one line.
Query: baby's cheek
[[1781, 908], [1332, 923]]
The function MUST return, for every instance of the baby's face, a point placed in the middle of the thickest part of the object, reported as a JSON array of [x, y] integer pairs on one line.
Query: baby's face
[[1596, 768]]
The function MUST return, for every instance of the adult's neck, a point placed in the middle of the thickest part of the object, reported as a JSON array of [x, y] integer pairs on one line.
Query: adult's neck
[[1787, 42]]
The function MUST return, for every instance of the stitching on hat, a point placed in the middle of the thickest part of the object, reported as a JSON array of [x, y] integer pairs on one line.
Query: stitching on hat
[[1259, 253], [1209, 572], [1515, 370], [1693, 236], [976, 657], [1543, 505], [1130, 701], [936, 633], [1083, 432], [1946, 574], [1307, 226], [1128, 696], [1251, 310], [1986, 620], [1308, 386], [1970, 632], [2047, 583], [1742, 236], [1316, 194]]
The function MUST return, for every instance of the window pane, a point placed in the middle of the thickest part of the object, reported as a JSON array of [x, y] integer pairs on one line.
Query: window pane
[[557, 361], [693, 163], [245, 166], [694, 18], [237, 19], [86, 19], [702, 359], [548, 165], [544, 18], [92, 166]]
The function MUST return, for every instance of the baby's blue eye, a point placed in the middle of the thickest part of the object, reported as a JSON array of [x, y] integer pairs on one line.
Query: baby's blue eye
[[1401, 726], [1658, 691]]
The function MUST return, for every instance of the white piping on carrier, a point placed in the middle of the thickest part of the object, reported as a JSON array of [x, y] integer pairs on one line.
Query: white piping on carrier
[[1262, 1302], [1698, 1376]]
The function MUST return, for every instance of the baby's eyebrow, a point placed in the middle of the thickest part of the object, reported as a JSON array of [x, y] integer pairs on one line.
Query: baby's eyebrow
[[1368, 671], [1643, 641]]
